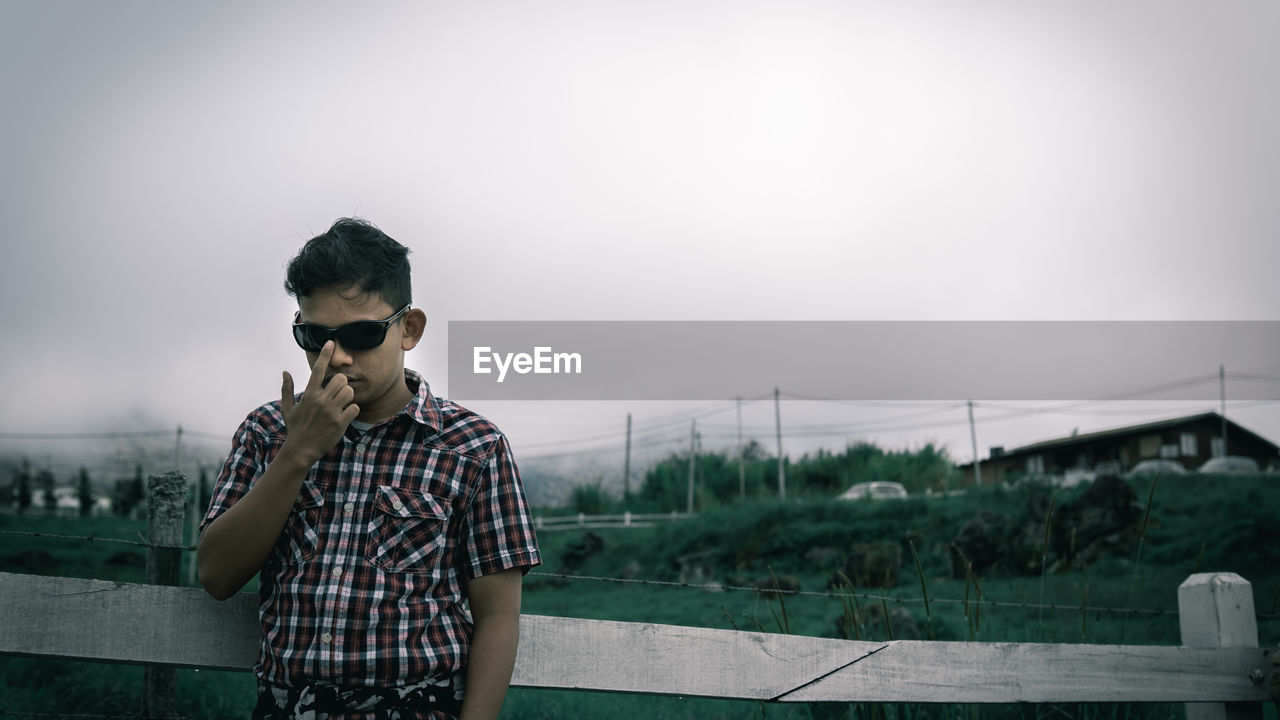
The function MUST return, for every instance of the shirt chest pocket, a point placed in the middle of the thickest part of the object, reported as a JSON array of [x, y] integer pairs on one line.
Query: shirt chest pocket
[[301, 533], [407, 530]]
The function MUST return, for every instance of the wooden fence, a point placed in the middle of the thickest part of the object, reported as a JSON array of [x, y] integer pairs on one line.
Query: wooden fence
[[582, 521], [1219, 669], [183, 627]]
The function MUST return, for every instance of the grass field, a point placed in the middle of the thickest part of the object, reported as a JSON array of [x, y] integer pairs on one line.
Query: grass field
[[1226, 525]]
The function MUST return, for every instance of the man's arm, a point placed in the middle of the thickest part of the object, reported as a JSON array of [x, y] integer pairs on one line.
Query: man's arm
[[495, 608], [237, 543]]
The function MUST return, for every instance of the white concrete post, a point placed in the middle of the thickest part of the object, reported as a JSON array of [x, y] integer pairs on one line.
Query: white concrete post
[[1216, 610]]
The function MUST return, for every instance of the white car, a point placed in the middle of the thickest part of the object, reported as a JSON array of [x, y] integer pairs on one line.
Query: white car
[[1157, 466], [1231, 465], [878, 490]]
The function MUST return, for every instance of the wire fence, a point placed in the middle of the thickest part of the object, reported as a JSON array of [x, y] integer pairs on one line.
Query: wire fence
[[92, 538], [765, 591], [5, 712], [862, 595]]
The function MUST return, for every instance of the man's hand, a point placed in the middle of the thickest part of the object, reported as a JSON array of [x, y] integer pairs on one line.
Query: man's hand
[[316, 423], [236, 544]]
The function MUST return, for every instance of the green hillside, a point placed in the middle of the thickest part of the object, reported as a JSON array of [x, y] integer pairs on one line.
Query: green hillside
[[1079, 582]]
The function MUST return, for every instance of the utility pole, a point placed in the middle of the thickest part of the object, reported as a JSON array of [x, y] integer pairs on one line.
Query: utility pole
[[194, 509], [742, 475], [699, 482], [973, 437], [1222, 393], [693, 454], [177, 452], [626, 467], [782, 470]]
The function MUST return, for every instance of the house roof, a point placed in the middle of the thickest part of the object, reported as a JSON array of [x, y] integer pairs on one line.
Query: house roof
[[1130, 430]]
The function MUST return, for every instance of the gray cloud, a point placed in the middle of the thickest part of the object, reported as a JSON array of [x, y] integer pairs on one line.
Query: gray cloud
[[572, 160]]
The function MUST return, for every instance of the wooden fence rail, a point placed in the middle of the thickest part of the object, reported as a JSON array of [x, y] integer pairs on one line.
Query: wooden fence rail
[[183, 627], [591, 522]]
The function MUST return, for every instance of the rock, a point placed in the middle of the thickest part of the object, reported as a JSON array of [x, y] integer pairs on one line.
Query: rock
[[874, 564], [128, 559], [34, 560], [577, 553], [983, 542], [695, 568], [778, 583], [632, 570], [1103, 521], [823, 557]]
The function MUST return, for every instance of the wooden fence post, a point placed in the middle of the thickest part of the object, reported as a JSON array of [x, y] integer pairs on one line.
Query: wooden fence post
[[1216, 610], [166, 498]]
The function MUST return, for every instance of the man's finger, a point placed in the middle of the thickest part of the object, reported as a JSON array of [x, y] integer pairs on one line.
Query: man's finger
[[286, 392], [320, 366], [351, 412], [344, 395], [334, 385]]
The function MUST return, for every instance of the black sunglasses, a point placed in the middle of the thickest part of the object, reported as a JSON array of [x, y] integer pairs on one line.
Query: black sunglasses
[[356, 336]]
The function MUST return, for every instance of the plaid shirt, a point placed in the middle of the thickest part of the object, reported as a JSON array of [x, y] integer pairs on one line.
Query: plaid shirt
[[367, 581]]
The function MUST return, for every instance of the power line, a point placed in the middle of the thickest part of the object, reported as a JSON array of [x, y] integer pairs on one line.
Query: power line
[[1254, 378], [658, 424], [656, 430], [872, 423], [599, 451]]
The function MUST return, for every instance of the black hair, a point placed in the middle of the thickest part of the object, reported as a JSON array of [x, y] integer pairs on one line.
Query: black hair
[[352, 252]]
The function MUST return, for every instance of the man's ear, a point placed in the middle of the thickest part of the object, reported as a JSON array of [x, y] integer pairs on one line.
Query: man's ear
[[415, 323]]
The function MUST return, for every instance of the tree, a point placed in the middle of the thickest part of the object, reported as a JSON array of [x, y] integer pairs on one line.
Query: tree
[[206, 492], [45, 480], [589, 499], [85, 494], [24, 487], [128, 492]]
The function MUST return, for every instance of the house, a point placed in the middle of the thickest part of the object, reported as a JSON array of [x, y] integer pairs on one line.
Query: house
[[1190, 440]]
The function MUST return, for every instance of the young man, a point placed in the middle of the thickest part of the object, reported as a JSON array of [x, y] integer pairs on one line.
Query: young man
[[373, 511]]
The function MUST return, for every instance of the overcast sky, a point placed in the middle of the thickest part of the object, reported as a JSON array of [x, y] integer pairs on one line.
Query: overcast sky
[[993, 160]]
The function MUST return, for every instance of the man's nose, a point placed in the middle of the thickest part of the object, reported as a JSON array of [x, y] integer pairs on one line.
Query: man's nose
[[341, 358]]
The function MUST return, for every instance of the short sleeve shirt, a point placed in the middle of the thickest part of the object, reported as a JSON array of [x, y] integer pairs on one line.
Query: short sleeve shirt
[[367, 582]]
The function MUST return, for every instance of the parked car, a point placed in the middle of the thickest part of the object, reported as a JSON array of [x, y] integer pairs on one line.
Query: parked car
[[878, 490], [1075, 476], [1108, 467], [1157, 466], [1231, 465]]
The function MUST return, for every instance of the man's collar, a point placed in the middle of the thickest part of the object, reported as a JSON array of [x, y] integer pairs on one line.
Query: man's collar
[[422, 408]]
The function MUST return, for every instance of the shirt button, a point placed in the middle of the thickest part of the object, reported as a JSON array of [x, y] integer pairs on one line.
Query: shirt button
[[326, 638], [396, 504], [337, 572], [349, 507], [361, 448]]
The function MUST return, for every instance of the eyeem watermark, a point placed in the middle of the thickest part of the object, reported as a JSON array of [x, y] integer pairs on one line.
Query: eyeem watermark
[[542, 362], [864, 360]]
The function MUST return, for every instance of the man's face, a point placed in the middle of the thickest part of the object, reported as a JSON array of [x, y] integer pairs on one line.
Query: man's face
[[375, 375]]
